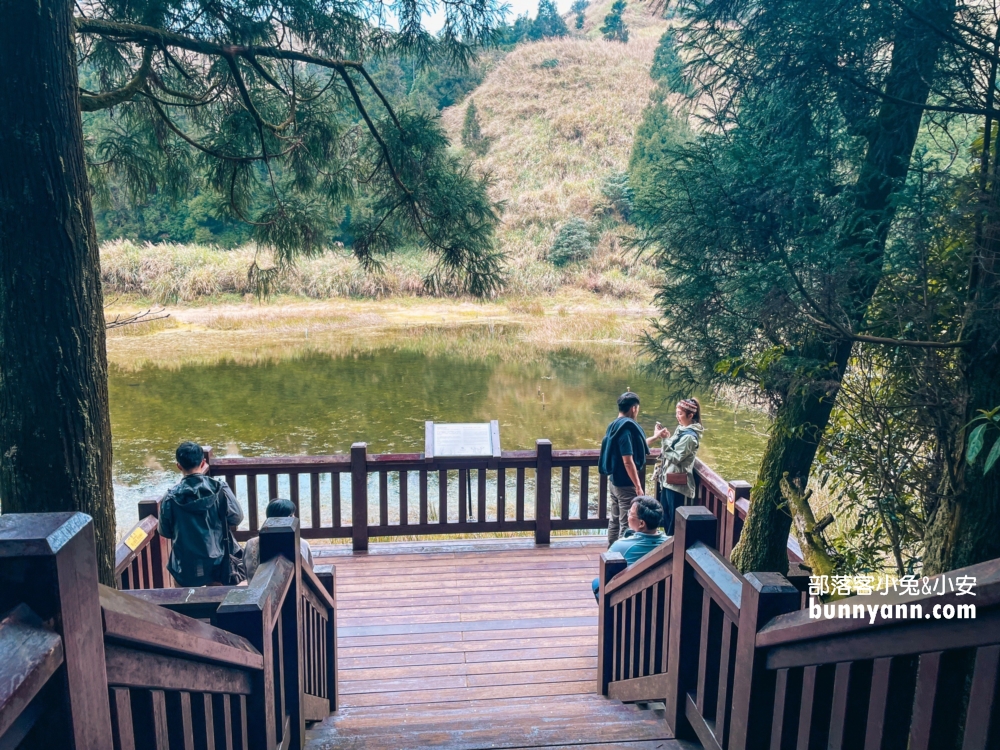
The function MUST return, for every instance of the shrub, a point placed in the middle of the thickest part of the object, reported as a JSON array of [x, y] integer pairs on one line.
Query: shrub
[[578, 7], [572, 243], [550, 63]]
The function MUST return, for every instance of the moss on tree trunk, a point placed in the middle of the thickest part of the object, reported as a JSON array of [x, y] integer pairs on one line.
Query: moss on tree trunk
[[55, 433]]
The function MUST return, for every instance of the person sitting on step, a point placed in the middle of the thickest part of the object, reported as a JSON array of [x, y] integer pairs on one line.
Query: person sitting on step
[[643, 536], [277, 508]]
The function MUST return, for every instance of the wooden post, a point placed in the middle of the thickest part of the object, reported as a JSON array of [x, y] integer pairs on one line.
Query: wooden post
[[692, 524], [612, 563], [327, 575], [280, 536], [48, 561], [765, 596], [159, 548], [359, 496], [738, 490], [543, 491]]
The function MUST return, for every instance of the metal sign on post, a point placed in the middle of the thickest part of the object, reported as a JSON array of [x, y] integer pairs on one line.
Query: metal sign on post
[[464, 440]]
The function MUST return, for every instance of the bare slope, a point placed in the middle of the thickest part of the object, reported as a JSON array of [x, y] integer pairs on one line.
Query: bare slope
[[561, 116]]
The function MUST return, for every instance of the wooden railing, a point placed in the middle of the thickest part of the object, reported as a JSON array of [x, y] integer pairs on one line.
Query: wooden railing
[[743, 667], [92, 667], [541, 490], [141, 556]]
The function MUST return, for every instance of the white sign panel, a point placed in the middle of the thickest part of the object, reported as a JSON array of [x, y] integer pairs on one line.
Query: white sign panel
[[462, 440]]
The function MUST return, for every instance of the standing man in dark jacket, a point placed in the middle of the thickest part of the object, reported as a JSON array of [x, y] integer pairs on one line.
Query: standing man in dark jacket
[[190, 516], [623, 457]]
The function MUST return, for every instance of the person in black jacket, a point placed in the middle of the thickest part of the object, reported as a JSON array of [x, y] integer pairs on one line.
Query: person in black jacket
[[191, 517], [623, 457]]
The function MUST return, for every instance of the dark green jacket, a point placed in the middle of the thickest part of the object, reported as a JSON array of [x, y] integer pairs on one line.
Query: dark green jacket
[[190, 518]]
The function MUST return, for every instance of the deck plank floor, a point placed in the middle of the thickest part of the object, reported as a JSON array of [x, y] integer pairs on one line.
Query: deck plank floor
[[480, 644]]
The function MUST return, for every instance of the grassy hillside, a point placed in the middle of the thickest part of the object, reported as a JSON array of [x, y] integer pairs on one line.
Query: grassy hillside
[[560, 117]]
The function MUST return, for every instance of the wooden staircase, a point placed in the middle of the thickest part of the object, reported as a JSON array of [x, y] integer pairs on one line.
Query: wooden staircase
[[484, 644]]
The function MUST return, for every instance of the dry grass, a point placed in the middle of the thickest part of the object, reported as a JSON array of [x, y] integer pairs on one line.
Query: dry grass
[[556, 133], [519, 330], [169, 273]]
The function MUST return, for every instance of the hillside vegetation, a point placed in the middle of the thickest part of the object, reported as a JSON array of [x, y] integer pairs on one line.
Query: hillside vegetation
[[558, 118]]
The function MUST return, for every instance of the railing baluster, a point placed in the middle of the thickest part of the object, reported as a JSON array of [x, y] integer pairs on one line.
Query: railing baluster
[[463, 477], [481, 509], [584, 492], [423, 496], [293, 491], [272, 485], [315, 520], [727, 664], [564, 495], [252, 503], [501, 496], [383, 498], [602, 501], [520, 493], [404, 511], [335, 498], [442, 496]]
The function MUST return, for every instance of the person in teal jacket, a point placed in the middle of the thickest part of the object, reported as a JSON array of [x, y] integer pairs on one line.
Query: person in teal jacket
[[643, 536]]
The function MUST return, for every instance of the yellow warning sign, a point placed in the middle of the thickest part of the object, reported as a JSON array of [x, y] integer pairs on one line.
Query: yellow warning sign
[[133, 540]]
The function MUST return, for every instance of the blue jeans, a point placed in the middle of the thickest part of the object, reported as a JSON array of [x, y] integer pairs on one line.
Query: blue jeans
[[597, 588]]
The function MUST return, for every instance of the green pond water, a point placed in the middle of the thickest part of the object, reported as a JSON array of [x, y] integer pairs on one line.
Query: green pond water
[[314, 403]]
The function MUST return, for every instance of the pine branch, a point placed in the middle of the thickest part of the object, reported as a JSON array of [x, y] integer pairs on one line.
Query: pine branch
[[95, 102]]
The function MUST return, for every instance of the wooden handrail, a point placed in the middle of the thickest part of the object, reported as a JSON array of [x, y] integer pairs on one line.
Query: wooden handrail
[[31, 655], [659, 556], [799, 626], [101, 668], [129, 620]]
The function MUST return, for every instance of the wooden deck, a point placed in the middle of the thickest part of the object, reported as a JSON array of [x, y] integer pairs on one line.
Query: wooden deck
[[484, 644]]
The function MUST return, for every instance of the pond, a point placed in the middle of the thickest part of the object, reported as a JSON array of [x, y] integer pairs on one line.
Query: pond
[[319, 403]]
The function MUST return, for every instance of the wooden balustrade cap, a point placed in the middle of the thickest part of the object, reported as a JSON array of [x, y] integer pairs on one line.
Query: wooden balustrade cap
[[38, 534], [31, 655], [265, 592], [696, 513], [142, 624], [718, 576], [798, 626]]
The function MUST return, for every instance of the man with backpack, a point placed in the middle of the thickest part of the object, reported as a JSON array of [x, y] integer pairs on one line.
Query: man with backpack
[[197, 515], [623, 458]]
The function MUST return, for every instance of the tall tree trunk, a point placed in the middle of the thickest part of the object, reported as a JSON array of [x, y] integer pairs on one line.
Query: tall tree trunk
[[55, 432], [964, 527], [800, 422]]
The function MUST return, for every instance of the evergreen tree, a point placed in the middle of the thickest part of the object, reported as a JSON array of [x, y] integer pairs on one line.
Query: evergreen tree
[[667, 69], [472, 137], [572, 243], [279, 109], [579, 8], [548, 23], [773, 225], [614, 28]]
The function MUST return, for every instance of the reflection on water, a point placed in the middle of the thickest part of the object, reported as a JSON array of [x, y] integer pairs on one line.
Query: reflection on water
[[318, 404]]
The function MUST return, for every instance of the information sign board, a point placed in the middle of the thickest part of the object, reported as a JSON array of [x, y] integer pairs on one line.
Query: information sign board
[[463, 440]]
